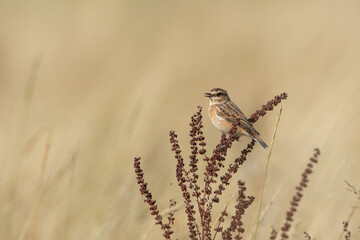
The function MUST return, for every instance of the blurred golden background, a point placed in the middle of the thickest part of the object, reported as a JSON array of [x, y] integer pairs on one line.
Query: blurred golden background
[[87, 86]]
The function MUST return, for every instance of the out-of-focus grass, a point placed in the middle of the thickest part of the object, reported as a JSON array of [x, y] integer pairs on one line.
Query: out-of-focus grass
[[116, 77]]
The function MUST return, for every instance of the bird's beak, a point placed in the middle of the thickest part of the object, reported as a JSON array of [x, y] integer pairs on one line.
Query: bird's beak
[[208, 95]]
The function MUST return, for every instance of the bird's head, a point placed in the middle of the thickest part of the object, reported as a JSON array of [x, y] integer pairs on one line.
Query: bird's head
[[217, 95]]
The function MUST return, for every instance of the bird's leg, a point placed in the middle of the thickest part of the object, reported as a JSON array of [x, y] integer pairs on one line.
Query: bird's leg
[[222, 146]]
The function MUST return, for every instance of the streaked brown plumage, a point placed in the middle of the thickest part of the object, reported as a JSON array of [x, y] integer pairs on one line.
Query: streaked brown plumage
[[223, 113]]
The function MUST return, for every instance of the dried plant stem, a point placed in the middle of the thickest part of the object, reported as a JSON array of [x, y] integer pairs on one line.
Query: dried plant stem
[[296, 199], [218, 222], [266, 170], [203, 214]]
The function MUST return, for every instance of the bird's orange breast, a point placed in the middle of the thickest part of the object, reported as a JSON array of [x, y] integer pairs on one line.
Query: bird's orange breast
[[223, 124], [220, 123]]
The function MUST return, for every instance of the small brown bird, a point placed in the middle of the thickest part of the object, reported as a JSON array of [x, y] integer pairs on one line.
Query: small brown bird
[[223, 113]]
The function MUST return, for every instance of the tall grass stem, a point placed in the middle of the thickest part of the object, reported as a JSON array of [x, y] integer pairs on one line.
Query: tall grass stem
[[266, 171]]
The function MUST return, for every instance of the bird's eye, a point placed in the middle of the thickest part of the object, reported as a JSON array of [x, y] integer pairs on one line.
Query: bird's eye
[[219, 94]]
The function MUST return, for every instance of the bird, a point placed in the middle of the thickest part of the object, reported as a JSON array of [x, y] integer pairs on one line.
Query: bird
[[223, 113]]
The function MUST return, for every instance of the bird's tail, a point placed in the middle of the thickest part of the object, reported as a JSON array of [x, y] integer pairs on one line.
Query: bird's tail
[[257, 138]]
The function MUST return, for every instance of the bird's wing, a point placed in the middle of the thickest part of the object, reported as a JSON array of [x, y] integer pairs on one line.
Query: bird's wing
[[231, 112]]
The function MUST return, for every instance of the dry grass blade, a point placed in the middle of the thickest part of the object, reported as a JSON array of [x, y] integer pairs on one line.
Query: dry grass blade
[[266, 170]]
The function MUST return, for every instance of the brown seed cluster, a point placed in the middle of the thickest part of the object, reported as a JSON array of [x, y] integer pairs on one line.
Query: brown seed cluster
[[236, 225], [171, 217], [211, 174], [152, 203], [232, 169], [299, 194], [182, 177], [273, 234], [268, 107]]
